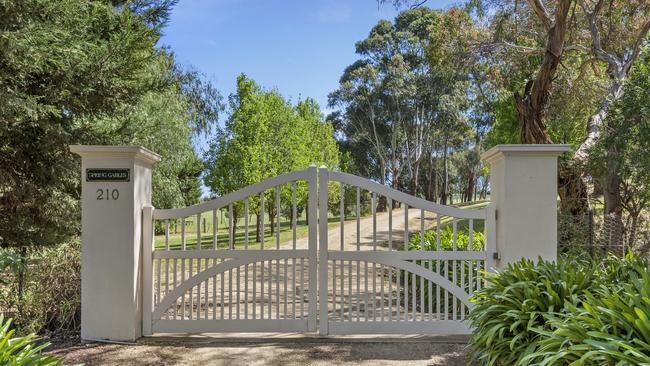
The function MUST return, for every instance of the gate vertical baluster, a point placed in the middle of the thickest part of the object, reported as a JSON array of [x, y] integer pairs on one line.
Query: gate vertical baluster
[[166, 263], [214, 263], [215, 246], [406, 274], [390, 249], [269, 282], [191, 289], [455, 264], [198, 247], [158, 265], [365, 291], [421, 262], [262, 272], [246, 266], [294, 221], [342, 223], [175, 285], [207, 288], [277, 247], [438, 268], [238, 292], [470, 281], [374, 249], [323, 181], [358, 214], [184, 247], [222, 298]]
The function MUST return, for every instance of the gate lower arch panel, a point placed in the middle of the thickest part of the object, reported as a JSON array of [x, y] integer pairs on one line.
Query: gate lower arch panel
[[235, 291]]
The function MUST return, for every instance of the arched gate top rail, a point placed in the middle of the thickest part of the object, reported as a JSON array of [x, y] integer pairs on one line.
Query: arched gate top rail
[[239, 195], [412, 201]]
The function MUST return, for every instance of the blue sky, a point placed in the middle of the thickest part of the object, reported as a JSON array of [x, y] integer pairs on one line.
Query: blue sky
[[298, 47]]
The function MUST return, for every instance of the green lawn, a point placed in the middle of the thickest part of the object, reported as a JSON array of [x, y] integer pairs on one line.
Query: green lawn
[[286, 234]]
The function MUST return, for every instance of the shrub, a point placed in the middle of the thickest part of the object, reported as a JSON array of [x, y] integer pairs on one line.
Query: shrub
[[576, 310], [612, 325], [516, 301], [19, 351], [51, 300]]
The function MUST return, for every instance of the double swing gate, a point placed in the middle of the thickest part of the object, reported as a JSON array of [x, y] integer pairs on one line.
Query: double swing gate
[[335, 252]]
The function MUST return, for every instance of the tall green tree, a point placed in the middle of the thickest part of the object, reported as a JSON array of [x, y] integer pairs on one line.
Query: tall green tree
[[265, 136], [59, 61]]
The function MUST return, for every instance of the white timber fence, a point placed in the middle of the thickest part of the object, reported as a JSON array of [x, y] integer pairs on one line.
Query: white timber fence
[[335, 253]]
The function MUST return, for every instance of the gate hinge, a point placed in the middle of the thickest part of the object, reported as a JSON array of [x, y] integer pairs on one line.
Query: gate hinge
[[496, 255]]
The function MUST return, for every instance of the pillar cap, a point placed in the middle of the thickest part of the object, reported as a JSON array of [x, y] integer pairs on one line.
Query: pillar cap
[[97, 151], [500, 151]]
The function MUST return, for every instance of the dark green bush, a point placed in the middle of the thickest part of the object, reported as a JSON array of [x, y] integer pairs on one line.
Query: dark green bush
[[557, 313], [22, 351]]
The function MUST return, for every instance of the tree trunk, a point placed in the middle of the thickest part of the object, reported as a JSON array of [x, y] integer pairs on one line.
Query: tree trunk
[[258, 226], [414, 179], [469, 193], [531, 106]]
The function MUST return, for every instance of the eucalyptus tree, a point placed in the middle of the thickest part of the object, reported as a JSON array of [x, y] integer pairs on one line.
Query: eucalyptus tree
[[393, 97], [598, 47]]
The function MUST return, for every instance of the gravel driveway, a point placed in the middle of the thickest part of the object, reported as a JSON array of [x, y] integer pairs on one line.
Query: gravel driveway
[[273, 350]]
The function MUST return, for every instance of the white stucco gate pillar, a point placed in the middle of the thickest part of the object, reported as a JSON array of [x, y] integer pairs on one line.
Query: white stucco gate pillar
[[523, 181], [115, 186]]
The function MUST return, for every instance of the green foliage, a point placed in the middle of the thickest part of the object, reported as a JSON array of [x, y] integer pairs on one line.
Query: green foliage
[[22, 351], [51, 301], [10, 261], [556, 313], [447, 240], [89, 72], [405, 101], [266, 136], [60, 60], [623, 150], [165, 120], [612, 325]]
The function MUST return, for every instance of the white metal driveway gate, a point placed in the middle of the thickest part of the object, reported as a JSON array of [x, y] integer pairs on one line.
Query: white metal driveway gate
[[378, 278]]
